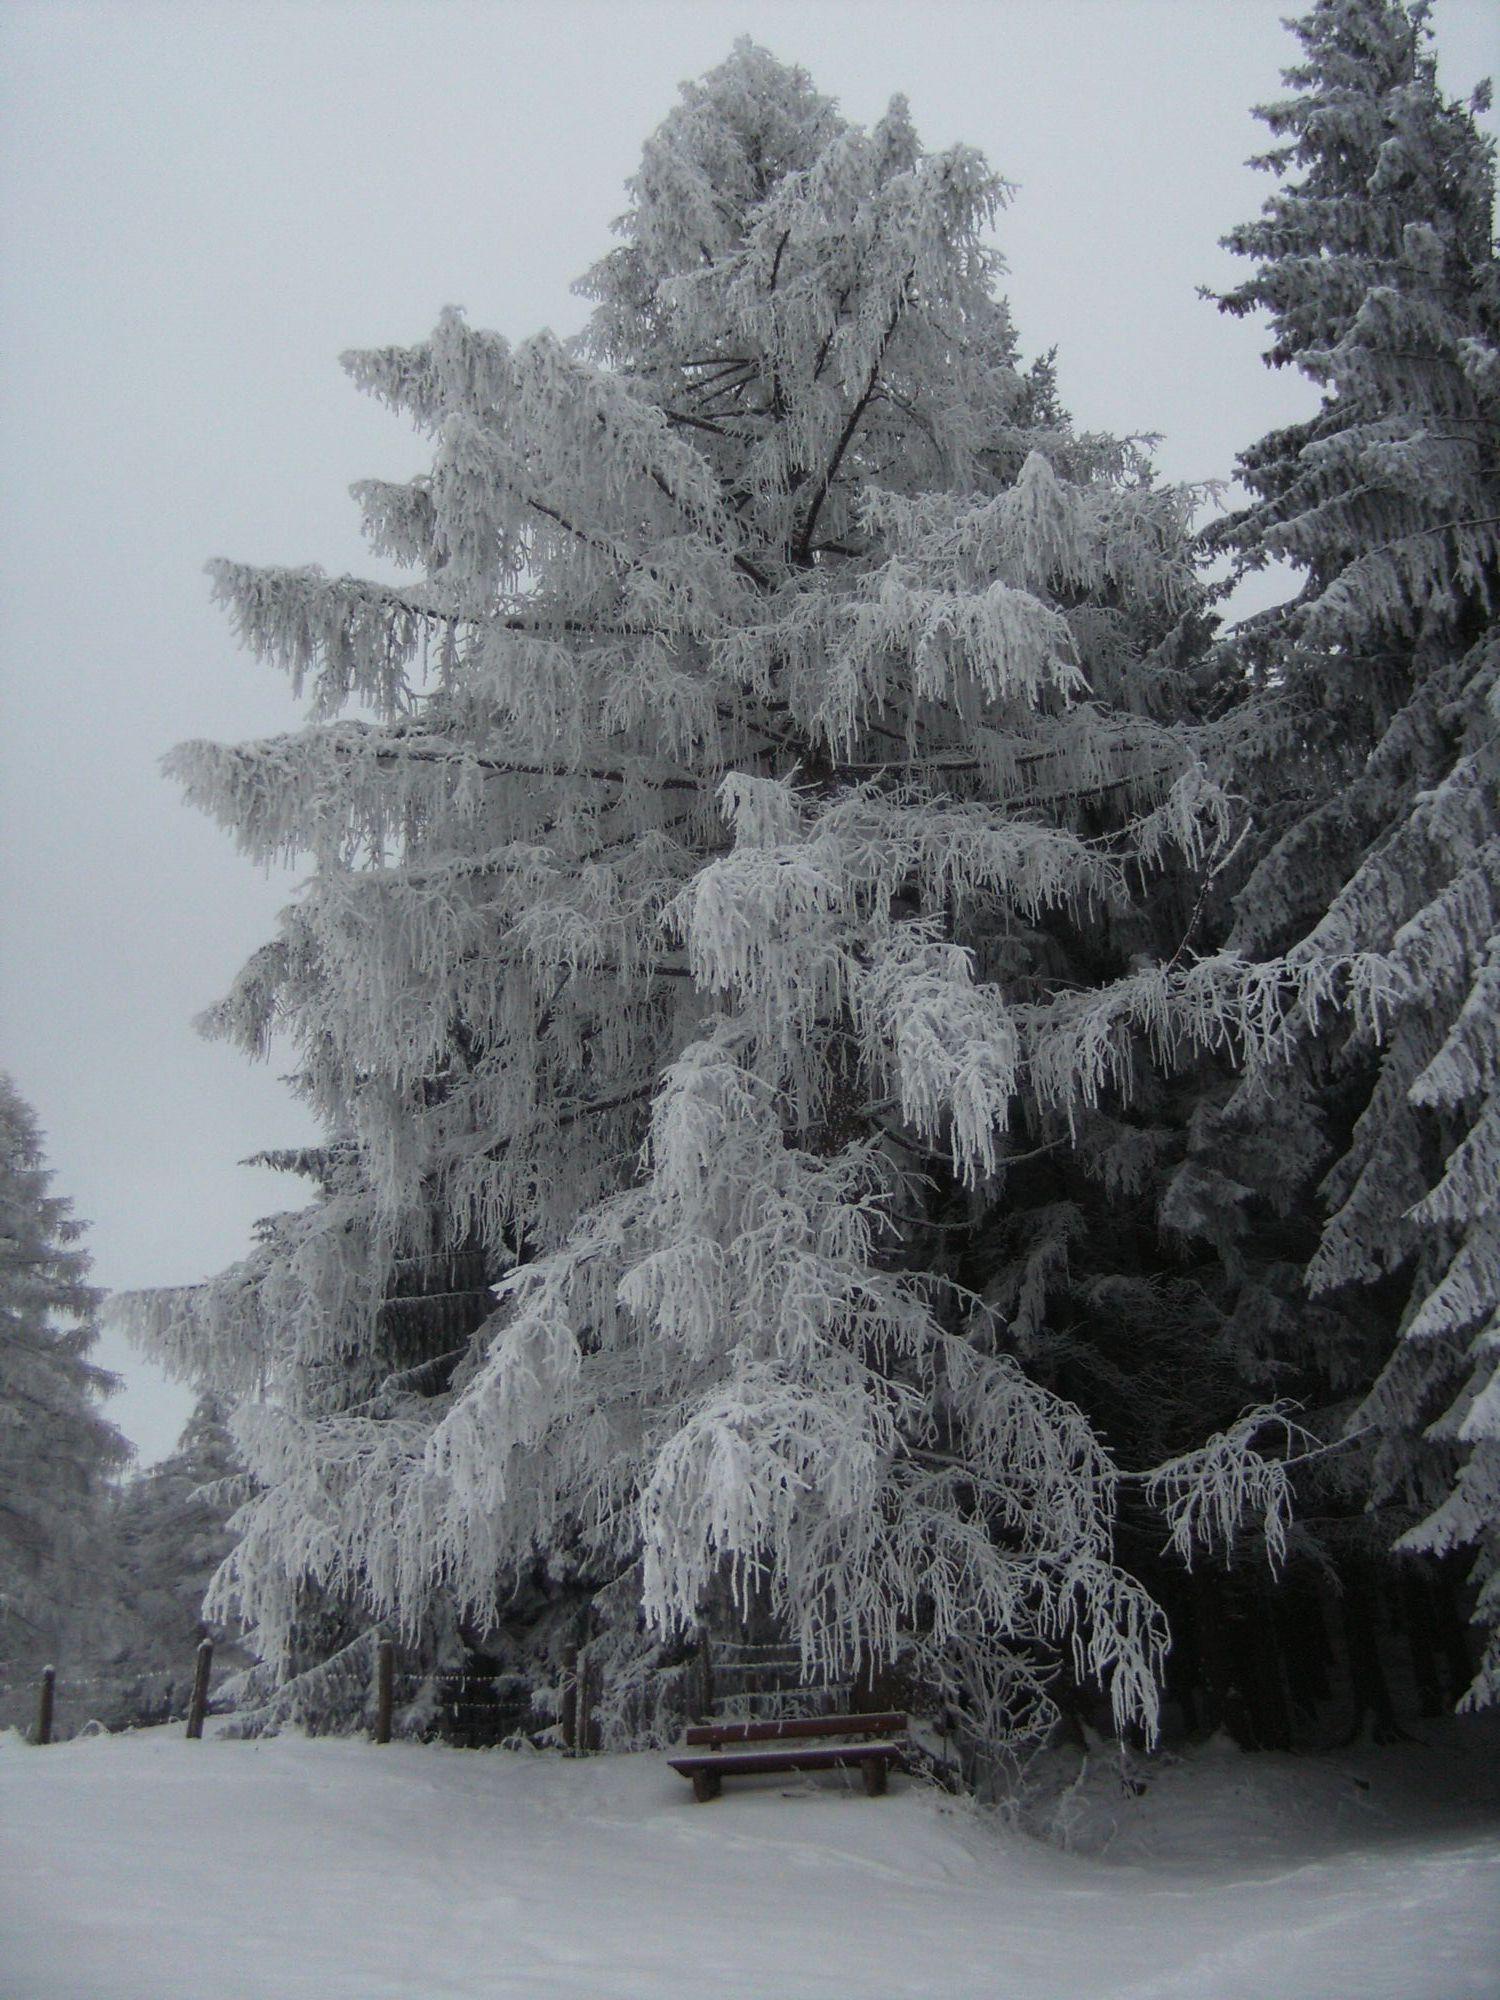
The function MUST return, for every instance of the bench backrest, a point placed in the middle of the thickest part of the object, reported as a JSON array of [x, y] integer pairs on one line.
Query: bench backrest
[[789, 1728]]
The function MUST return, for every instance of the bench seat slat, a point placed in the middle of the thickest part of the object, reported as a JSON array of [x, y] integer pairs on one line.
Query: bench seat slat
[[790, 1757], [889, 1723]]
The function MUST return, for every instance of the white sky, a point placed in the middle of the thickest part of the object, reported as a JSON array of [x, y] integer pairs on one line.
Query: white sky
[[203, 204]]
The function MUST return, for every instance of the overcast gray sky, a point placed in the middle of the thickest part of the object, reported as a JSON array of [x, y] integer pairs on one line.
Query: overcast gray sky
[[203, 204]]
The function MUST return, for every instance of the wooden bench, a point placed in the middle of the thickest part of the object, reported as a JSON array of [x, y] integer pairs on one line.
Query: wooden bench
[[799, 1743]]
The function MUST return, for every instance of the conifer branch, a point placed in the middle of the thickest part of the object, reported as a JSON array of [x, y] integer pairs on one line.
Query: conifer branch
[[507, 768], [830, 473]]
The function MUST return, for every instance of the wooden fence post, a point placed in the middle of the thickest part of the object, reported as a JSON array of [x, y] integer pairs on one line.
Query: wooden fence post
[[588, 1700], [705, 1676], [44, 1705], [198, 1704], [385, 1688], [567, 1716]]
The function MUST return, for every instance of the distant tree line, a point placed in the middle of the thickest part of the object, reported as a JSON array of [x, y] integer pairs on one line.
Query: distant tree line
[[103, 1567]]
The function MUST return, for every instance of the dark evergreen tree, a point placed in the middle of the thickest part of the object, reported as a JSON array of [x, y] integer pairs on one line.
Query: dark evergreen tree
[[56, 1450], [170, 1534], [1370, 754]]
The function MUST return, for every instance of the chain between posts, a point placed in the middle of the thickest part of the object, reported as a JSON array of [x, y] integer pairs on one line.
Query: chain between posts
[[48, 1686]]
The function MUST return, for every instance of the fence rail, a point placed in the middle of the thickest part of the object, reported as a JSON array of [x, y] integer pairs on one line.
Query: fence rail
[[732, 1677]]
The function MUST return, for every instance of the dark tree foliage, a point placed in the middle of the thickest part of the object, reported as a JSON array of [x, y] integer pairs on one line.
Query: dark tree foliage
[[56, 1450], [170, 1534], [1364, 1174]]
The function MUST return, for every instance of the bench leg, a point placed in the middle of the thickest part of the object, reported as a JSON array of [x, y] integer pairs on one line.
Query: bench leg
[[874, 1770], [706, 1786]]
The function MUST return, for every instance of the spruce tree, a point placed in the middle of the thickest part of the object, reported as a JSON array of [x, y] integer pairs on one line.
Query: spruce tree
[[1374, 764], [772, 820], [56, 1450], [170, 1535]]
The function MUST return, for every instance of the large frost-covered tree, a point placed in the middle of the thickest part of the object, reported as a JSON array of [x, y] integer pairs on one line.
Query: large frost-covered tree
[[56, 1449], [766, 817], [1377, 773]]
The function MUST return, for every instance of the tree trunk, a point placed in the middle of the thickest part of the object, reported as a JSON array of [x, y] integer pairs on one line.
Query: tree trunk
[[1372, 1694]]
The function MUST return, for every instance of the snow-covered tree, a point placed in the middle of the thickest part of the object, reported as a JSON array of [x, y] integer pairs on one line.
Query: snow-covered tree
[[56, 1449], [1377, 771], [765, 819], [170, 1536]]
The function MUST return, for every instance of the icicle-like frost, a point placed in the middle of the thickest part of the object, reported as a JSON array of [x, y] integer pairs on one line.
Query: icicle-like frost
[[736, 839], [1207, 1494], [950, 1048]]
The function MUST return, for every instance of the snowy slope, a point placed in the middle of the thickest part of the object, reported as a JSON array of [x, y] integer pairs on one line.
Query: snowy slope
[[146, 1868]]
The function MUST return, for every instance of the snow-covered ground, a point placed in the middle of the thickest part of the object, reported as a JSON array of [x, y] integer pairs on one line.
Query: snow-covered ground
[[143, 1867]]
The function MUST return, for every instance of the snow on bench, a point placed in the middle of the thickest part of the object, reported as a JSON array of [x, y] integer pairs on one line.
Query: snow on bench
[[791, 1744]]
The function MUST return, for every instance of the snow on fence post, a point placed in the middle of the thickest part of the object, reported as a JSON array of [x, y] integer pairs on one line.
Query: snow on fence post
[[44, 1705], [385, 1688], [198, 1704]]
